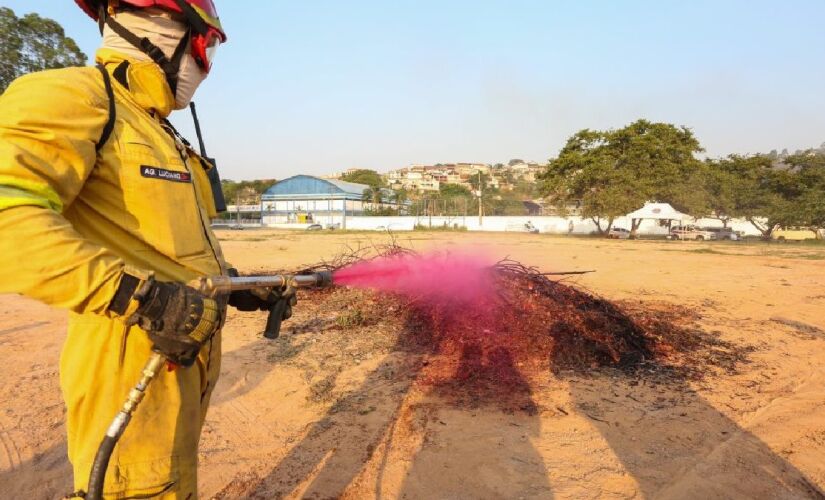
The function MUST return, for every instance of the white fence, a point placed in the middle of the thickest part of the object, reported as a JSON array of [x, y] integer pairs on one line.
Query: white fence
[[545, 224]]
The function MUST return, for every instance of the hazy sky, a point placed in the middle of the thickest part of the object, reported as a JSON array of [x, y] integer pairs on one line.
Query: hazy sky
[[321, 86]]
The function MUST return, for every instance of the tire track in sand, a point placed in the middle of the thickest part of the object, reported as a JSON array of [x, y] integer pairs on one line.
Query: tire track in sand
[[12, 459]]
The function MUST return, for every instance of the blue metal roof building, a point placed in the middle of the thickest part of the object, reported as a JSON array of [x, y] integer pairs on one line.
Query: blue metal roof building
[[304, 199], [306, 187]]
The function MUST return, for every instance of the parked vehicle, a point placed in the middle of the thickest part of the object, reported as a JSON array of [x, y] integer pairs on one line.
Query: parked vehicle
[[795, 233], [723, 233], [618, 233], [690, 232], [314, 227]]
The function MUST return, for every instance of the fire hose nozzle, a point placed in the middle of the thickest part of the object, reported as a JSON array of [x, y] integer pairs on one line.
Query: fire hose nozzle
[[217, 285], [319, 279]]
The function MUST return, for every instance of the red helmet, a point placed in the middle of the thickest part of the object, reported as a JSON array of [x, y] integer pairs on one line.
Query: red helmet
[[200, 14]]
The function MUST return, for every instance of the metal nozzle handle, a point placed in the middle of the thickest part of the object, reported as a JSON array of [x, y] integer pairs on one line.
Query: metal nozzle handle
[[217, 285]]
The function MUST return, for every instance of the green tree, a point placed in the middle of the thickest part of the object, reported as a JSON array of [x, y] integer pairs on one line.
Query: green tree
[[504, 203], [720, 186], [400, 196], [364, 176], [611, 173], [454, 191], [244, 191], [33, 43], [808, 191], [372, 194], [483, 178], [757, 191], [525, 190]]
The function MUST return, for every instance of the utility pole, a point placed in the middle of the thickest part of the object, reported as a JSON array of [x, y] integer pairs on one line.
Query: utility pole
[[480, 202], [238, 205]]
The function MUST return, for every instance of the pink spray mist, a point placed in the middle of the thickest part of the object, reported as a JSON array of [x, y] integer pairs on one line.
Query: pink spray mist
[[449, 278]]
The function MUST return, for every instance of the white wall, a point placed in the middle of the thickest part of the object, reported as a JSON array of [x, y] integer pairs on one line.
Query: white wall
[[545, 224], [304, 205], [392, 223]]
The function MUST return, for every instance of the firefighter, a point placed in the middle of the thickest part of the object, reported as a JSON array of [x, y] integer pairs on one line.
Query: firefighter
[[104, 211]]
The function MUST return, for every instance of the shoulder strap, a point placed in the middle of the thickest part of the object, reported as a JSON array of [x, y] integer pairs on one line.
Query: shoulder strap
[[110, 123]]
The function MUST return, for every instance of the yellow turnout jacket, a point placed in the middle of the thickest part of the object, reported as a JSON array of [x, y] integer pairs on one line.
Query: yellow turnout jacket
[[71, 218]]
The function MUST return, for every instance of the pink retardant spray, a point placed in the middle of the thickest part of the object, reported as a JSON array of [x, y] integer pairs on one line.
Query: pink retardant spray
[[457, 278]]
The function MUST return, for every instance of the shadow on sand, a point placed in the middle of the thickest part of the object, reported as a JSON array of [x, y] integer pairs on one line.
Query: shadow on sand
[[676, 444], [355, 431], [673, 442]]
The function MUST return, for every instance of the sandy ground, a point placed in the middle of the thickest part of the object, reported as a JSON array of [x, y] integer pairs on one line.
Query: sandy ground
[[327, 411]]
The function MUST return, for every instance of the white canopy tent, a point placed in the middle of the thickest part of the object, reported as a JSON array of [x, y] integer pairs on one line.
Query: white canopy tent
[[658, 211]]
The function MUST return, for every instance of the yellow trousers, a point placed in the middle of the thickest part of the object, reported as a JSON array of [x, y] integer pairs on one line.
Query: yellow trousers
[[157, 456]]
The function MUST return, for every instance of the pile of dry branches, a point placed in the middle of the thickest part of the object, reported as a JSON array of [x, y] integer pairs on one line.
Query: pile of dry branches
[[537, 321]]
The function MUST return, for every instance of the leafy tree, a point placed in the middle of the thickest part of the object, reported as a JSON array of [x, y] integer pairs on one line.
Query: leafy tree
[[720, 186], [480, 176], [755, 190], [509, 177], [611, 173], [33, 43], [364, 176], [244, 191], [372, 194], [400, 195], [505, 203], [769, 191], [525, 190], [454, 191], [808, 187]]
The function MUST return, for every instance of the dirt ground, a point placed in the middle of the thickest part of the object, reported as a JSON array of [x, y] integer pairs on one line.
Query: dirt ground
[[340, 407]]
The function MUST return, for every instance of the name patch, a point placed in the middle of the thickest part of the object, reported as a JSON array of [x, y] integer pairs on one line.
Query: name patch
[[162, 173]]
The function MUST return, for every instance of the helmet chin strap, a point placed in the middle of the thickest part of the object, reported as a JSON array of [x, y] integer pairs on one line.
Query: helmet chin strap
[[170, 66]]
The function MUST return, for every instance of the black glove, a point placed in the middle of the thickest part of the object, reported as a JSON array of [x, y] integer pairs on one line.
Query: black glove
[[247, 300], [178, 319]]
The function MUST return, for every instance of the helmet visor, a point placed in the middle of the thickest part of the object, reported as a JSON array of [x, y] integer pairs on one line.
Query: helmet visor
[[204, 48]]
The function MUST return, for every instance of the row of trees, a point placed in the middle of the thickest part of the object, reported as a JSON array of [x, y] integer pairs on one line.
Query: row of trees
[[608, 174], [244, 192], [33, 43], [767, 193]]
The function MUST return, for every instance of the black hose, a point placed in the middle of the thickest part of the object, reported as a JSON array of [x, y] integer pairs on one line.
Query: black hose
[[97, 475]]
